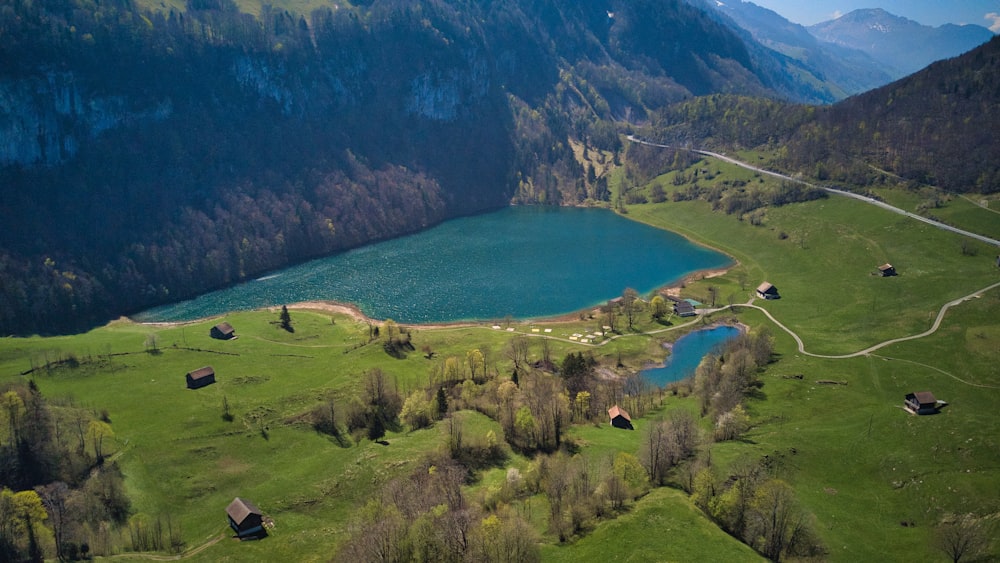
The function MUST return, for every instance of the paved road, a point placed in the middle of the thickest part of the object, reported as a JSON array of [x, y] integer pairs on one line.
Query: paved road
[[834, 191]]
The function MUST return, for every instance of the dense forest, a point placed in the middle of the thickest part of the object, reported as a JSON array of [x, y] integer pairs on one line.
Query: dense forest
[[149, 155]]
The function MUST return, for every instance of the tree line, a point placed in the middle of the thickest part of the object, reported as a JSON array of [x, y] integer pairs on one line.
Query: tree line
[[60, 494]]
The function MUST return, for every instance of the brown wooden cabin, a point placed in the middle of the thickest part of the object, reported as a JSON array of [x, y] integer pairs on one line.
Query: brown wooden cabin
[[200, 377], [223, 331], [245, 519], [921, 402], [620, 418], [886, 270], [767, 291]]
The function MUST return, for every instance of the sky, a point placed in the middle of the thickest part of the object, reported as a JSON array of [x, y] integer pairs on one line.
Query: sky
[[928, 12]]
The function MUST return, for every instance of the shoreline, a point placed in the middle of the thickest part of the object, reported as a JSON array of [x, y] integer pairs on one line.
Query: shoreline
[[354, 312]]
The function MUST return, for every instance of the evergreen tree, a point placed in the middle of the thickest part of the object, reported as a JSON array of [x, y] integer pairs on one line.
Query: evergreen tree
[[286, 319], [442, 402]]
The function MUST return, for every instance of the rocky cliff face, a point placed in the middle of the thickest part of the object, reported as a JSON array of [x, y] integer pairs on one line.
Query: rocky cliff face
[[45, 118]]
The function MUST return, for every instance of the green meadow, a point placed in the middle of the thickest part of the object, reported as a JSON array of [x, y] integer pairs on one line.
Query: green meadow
[[876, 480]]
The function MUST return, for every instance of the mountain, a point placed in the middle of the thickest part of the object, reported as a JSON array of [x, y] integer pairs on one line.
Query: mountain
[[935, 126], [841, 71], [148, 155], [904, 45]]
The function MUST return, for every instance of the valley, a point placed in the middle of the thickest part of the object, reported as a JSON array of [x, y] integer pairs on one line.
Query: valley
[[388, 280], [312, 486]]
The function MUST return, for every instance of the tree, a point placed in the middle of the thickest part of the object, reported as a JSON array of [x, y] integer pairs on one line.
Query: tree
[[732, 424], [963, 537], [658, 307], [14, 406], [776, 518], [477, 364], [286, 319], [442, 402], [97, 432], [376, 428], [416, 411], [504, 537], [517, 352], [626, 467], [525, 427], [53, 497], [629, 306]]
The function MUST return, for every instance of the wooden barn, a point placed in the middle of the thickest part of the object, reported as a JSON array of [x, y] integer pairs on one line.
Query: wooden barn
[[767, 291], [200, 377], [620, 418], [223, 331], [921, 402], [245, 519], [684, 309], [886, 270]]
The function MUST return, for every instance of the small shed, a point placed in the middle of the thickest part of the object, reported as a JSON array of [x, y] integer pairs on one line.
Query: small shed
[[620, 418], [245, 519], [684, 309], [767, 291], [223, 331], [921, 402], [886, 270], [200, 377]]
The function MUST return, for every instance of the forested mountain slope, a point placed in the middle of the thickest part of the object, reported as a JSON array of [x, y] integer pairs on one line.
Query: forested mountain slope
[[148, 155], [935, 126]]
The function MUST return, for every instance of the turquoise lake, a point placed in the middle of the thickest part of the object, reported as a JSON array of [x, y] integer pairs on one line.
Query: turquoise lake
[[522, 262], [687, 353]]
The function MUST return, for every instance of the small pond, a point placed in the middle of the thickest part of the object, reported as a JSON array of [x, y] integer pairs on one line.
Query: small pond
[[687, 353]]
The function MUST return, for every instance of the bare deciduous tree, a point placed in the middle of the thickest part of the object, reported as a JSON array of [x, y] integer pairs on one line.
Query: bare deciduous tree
[[962, 537]]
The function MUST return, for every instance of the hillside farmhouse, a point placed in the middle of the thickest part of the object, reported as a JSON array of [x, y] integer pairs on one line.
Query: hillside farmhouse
[[886, 270], [921, 402], [245, 519], [200, 377], [620, 418], [767, 291], [223, 331]]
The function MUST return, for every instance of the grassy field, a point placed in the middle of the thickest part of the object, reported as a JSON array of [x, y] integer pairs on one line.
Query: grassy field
[[877, 480]]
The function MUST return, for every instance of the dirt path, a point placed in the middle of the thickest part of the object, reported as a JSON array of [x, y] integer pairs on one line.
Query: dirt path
[[189, 553], [870, 349]]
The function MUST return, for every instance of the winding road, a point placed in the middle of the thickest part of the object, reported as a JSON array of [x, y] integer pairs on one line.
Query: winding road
[[859, 197], [801, 345]]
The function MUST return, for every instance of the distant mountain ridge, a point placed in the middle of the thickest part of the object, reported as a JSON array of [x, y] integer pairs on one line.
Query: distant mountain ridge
[[837, 71], [900, 43]]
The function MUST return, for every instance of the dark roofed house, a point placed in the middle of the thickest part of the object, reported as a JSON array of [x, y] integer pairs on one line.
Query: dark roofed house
[[767, 291], [200, 377], [620, 418], [245, 519], [684, 309], [223, 331], [886, 270], [921, 402]]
